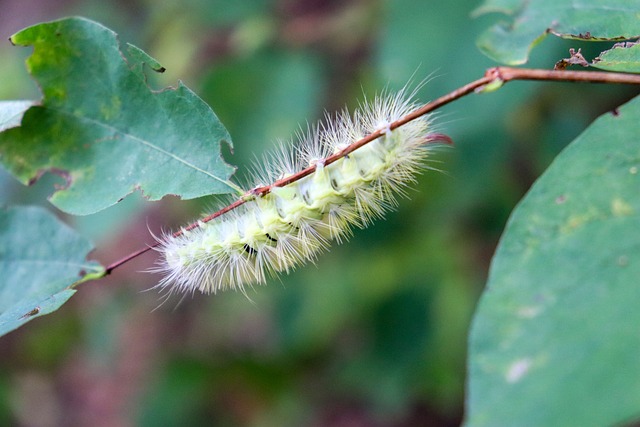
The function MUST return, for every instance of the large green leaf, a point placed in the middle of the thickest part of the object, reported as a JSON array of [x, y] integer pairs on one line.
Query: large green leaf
[[531, 21], [556, 337], [41, 259], [104, 130]]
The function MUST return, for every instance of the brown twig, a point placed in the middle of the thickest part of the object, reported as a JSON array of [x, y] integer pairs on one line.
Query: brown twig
[[493, 78]]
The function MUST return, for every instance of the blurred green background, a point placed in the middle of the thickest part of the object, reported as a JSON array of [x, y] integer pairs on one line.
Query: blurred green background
[[375, 333]]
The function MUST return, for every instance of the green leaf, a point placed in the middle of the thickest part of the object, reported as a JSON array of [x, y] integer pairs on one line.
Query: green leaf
[[11, 113], [556, 337], [531, 21], [41, 259], [104, 130], [623, 57]]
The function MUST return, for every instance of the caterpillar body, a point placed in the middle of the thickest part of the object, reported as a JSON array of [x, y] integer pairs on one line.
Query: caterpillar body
[[291, 224]]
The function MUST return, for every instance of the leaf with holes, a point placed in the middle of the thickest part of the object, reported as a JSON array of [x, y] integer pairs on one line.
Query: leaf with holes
[[41, 260], [104, 130]]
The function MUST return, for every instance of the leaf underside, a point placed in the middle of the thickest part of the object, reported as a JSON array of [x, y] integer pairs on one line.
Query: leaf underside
[[530, 22], [555, 339], [40, 259], [104, 130]]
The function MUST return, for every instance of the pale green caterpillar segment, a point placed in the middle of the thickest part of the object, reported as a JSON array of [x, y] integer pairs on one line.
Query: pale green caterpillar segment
[[292, 224]]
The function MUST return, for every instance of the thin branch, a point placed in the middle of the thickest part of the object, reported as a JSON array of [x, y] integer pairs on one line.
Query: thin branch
[[493, 78], [507, 74]]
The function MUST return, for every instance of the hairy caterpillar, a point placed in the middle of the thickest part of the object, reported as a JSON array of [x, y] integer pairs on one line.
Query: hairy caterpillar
[[291, 224]]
